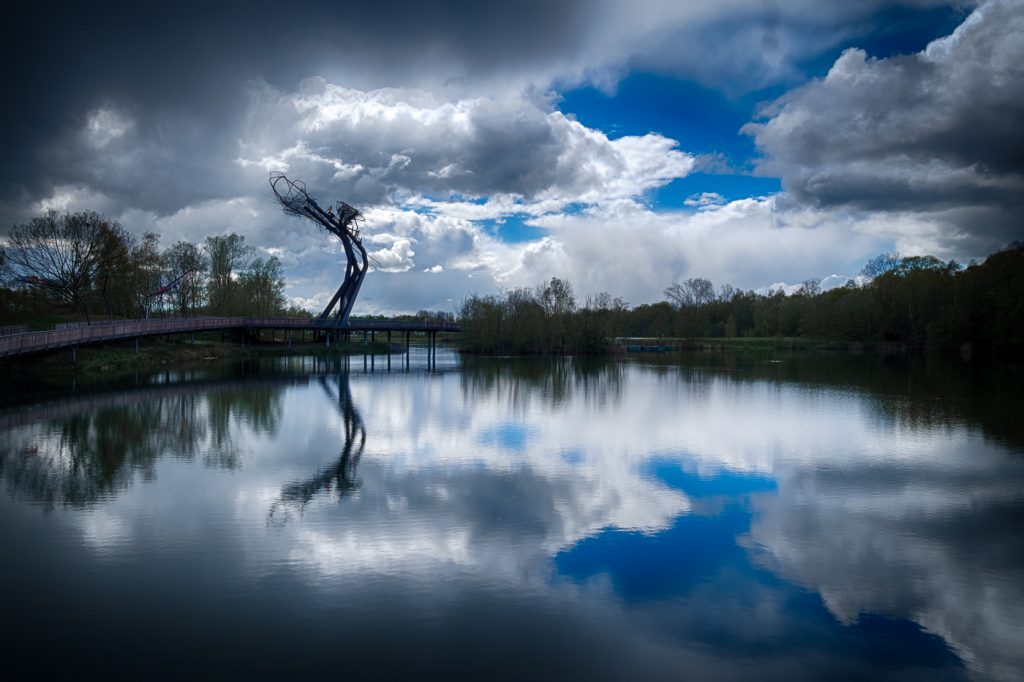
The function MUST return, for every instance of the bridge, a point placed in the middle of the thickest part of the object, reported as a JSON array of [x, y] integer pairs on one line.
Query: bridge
[[100, 332]]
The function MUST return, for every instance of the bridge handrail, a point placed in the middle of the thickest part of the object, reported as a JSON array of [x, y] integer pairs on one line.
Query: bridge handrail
[[108, 331]]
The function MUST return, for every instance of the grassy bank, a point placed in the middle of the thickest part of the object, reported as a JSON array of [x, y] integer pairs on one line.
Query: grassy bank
[[110, 359], [760, 343]]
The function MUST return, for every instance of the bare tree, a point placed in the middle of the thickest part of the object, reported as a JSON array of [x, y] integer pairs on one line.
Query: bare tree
[[229, 255], [59, 252], [881, 264], [691, 292], [187, 264], [810, 287], [557, 297]]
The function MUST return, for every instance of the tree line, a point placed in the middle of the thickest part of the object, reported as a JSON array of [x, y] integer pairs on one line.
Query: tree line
[[84, 265], [920, 303]]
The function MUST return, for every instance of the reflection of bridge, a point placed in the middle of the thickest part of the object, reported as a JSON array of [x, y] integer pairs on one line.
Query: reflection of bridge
[[33, 342]]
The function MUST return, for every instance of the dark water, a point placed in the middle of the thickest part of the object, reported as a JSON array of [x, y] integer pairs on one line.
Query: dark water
[[704, 517]]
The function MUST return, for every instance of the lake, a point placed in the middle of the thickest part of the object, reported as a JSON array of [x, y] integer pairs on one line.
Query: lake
[[658, 517]]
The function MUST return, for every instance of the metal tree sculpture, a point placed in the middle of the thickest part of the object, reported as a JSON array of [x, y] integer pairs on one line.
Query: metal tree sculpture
[[342, 221]]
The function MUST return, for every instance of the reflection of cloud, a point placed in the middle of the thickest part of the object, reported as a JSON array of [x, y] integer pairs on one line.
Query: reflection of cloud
[[924, 543], [484, 476]]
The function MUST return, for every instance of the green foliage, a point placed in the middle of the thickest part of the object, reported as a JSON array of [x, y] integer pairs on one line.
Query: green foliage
[[83, 264], [920, 303]]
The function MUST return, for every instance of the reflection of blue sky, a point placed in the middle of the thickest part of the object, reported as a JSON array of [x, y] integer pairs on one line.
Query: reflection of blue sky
[[507, 436], [699, 565], [674, 473], [824, 529]]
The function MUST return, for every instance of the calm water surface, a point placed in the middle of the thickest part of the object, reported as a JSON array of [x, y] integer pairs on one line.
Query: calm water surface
[[698, 517]]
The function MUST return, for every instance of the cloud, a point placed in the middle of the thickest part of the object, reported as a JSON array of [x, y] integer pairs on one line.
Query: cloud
[[396, 259], [936, 133], [435, 124], [474, 158], [634, 252], [923, 548], [190, 103], [704, 199]]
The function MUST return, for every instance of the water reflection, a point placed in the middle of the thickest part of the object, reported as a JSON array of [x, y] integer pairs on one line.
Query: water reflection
[[337, 480], [80, 450], [939, 544], [552, 380], [925, 392], [699, 517]]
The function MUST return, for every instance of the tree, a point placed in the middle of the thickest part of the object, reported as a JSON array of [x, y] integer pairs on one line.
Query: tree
[[809, 288], [186, 263], [881, 264], [147, 272], [60, 253], [730, 326], [691, 292], [262, 287], [228, 256], [114, 267], [557, 297]]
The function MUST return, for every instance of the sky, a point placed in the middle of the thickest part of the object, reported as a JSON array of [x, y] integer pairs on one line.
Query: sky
[[621, 146]]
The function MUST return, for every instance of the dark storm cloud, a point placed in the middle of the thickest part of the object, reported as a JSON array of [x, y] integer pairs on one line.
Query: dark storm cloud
[[937, 131], [181, 71]]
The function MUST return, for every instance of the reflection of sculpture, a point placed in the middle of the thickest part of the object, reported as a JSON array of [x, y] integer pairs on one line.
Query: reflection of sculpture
[[339, 477], [296, 201]]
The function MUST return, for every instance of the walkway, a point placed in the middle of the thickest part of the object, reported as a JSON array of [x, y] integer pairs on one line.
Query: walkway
[[34, 342]]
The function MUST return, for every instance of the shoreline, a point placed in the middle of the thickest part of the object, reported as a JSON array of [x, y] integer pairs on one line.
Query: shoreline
[[108, 360]]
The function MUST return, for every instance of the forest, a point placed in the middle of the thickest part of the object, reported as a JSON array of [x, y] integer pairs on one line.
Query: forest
[[83, 266], [914, 303]]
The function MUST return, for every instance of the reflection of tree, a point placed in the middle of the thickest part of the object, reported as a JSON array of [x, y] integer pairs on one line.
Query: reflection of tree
[[339, 478], [78, 452], [553, 380], [257, 406], [914, 392]]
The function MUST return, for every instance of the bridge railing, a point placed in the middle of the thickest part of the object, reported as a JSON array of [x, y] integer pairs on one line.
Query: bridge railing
[[31, 342]]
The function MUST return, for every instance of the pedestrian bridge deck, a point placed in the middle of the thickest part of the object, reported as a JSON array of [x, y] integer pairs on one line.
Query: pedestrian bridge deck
[[34, 342]]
